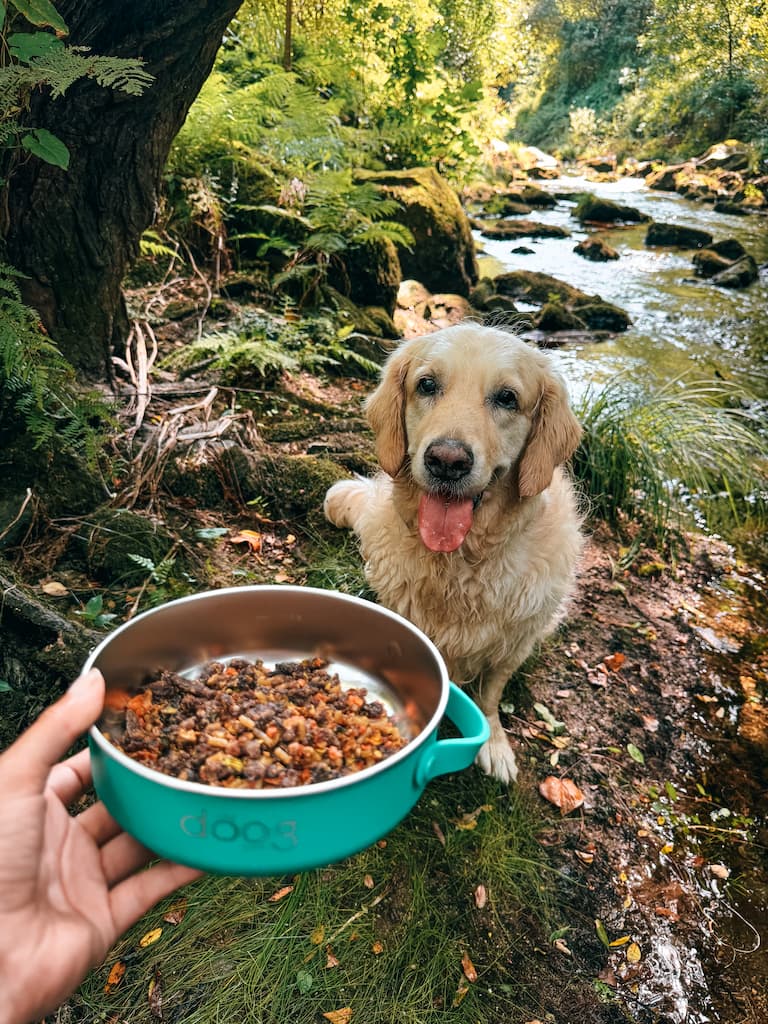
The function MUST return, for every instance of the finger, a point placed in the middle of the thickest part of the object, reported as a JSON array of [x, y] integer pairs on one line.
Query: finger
[[28, 761], [122, 856], [134, 897], [71, 778], [99, 824]]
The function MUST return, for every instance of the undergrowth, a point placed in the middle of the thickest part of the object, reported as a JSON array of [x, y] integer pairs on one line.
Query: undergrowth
[[691, 453]]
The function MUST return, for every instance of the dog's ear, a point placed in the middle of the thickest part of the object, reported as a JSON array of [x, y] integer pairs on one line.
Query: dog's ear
[[385, 410], [554, 437]]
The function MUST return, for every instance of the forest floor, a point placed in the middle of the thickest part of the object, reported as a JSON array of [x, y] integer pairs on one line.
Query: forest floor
[[641, 731]]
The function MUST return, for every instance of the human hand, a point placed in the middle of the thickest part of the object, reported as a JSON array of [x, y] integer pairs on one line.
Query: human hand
[[69, 886]]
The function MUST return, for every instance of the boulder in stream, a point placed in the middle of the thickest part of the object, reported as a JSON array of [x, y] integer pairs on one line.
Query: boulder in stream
[[592, 210], [503, 229], [596, 249], [541, 289], [677, 236]]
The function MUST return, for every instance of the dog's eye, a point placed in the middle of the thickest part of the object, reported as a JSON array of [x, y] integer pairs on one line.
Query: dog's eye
[[427, 386], [505, 399]]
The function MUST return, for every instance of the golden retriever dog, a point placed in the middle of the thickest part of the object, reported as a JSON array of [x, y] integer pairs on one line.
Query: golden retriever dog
[[472, 531]]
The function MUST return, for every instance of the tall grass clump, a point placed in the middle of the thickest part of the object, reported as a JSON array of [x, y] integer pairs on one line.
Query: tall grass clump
[[690, 453]]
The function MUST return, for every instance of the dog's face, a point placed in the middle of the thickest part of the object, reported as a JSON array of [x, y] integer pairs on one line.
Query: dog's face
[[463, 408]]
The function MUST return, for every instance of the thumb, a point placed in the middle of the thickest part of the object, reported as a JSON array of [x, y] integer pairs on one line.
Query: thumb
[[27, 762]]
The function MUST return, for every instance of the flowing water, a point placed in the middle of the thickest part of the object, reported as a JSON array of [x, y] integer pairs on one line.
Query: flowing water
[[681, 325]]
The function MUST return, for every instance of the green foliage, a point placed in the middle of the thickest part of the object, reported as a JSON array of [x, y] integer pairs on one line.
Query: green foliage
[[38, 390], [94, 614], [260, 348], [671, 454]]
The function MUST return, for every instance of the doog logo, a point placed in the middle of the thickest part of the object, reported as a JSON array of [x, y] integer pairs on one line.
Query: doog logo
[[279, 836]]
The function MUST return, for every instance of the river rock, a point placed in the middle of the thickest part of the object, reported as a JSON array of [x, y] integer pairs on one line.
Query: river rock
[[596, 249], [739, 275], [506, 204], [592, 210], [501, 229], [605, 164], [537, 288], [443, 254], [665, 178], [730, 155], [554, 317], [677, 236], [531, 195]]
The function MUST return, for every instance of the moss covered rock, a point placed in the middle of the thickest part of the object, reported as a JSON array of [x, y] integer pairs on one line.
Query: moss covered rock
[[443, 255], [111, 536]]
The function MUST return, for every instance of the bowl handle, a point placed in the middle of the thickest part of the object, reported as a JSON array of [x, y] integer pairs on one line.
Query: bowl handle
[[452, 755]]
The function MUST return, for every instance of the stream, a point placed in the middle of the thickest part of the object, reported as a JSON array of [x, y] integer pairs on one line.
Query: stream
[[681, 325], [686, 326]]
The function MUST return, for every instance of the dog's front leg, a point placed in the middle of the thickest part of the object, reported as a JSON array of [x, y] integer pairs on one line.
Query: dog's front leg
[[496, 757]]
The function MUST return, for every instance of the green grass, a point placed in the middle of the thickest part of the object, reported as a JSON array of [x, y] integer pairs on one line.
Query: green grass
[[239, 956], [689, 453]]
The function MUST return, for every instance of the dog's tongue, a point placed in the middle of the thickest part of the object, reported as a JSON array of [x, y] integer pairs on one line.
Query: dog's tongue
[[444, 523]]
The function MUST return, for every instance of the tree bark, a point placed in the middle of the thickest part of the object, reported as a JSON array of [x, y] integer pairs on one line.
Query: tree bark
[[74, 233]]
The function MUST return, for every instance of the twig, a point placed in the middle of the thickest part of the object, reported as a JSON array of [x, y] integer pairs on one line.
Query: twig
[[19, 514]]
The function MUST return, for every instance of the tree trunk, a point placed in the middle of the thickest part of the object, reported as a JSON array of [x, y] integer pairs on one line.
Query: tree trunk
[[73, 233]]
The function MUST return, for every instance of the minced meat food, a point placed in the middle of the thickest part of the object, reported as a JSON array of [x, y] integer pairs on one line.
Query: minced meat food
[[240, 724]]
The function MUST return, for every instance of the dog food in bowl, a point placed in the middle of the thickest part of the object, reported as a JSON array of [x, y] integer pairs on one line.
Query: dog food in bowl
[[241, 724]]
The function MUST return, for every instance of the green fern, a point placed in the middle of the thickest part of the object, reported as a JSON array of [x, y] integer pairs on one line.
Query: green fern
[[38, 390]]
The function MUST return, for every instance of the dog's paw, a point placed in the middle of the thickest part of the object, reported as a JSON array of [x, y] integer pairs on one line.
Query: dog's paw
[[497, 758], [343, 501]]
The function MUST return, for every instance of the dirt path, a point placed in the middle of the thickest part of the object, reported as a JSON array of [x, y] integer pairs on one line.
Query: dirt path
[[653, 706]]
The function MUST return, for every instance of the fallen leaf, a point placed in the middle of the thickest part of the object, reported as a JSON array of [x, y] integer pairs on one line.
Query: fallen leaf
[[115, 976], [368, 882], [250, 537], [282, 577], [342, 1016], [481, 897], [633, 953], [317, 935], [562, 947], [614, 661], [719, 870], [155, 995], [176, 912], [584, 856], [377, 948], [150, 937], [563, 793], [54, 589], [281, 893], [461, 991], [602, 934], [620, 942], [635, 753], [330, 959], [468, 968]]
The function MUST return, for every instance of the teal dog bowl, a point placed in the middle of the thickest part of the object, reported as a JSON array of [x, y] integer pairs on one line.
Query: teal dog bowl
[[279, 831]]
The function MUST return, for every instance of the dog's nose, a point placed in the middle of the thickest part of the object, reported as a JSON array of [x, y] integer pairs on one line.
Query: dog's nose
[[447, 459]]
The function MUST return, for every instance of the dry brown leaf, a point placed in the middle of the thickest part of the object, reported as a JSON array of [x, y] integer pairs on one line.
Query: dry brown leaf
[[176, 912], [562, 947], [377, 948], [250, 537], [342, 1016], [461, 991], [468, 968], [614, 661], [115, 976], [330, 959], [281, 893], [150, 937], [563, 793], [368, 882], [54, 589], [481, 897], [282, 577], [584, 856], [155, 995]]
